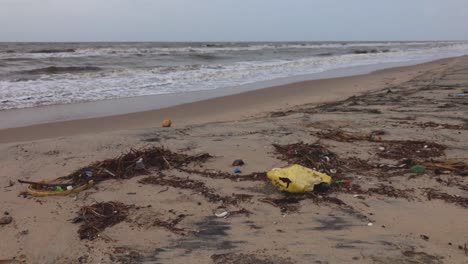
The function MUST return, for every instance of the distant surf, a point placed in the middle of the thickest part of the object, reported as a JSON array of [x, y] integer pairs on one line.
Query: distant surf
[[35, 74]]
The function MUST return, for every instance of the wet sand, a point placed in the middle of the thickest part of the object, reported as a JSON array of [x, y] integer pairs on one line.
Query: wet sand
[[372, 125]]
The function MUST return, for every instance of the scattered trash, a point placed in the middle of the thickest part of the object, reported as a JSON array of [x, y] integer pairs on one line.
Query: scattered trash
[[424, 237], [460, 95], [139, 165], [237, 170], [297, 178], [370, 224], [99, 216], [54, 188], [342, 182], [5, 220], [166, 123], [221, 212], [418, 169], [238, 162], [88, 172], [69, 188], [381, 148]]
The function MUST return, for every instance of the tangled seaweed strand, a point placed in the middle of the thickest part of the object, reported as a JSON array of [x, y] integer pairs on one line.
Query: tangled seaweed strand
[[99, 216], [344, 136], [125, 166], [458, 166], [313, 156], [411, 149]]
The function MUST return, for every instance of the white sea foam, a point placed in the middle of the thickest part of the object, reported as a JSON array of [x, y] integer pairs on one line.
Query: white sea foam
[[129, 82]]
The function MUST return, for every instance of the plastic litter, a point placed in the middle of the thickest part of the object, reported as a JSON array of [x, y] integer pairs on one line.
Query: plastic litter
[[342, 182], [69, 188], [297, 179], [139, 165], [418, 169], [221, 212], [59, 189], [237, 170], [88, 173]]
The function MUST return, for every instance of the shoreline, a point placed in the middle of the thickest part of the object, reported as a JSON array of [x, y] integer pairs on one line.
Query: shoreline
[[104, 108], [228, 107]]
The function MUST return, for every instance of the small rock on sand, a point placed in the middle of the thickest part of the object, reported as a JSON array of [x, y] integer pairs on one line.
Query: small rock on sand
[[5, 220]]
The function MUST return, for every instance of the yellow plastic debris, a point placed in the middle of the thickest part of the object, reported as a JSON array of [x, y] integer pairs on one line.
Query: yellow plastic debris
[[42, 193], [297, 179]]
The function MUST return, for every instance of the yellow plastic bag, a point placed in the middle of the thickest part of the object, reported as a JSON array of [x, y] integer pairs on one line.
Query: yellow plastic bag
[[297, 179]]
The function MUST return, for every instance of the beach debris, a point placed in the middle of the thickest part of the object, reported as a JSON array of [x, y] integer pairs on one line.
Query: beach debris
[[123, 167], [171, 225], [286, 204], [139, 165], [69, 188], [458, 166], [313, 156], [237, 171], [255, 176], [97, 217], [238, 162], [418, 169], [435, 194], [370, 224], [297, 178], [221, 212], [5, 220], [54, 188], [344, 136], [166, 123], [410, 149], [424, 237], [234, 258], [445, 126], [196, 186]]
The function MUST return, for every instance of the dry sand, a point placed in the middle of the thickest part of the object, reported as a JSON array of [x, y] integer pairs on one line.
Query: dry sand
[[408, 103]]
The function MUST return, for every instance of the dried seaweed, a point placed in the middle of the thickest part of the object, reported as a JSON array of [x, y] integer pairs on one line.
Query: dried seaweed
[[391, 191], [125, 166], [410, 149], [344, 136], [196, 186], [171, 225], [435, 194], [313, 156], [445, 126], [287, 204], [458, 166], [99, 216], [255, 176]]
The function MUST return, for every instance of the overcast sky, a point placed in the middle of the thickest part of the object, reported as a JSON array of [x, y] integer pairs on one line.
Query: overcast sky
[[232, 20]]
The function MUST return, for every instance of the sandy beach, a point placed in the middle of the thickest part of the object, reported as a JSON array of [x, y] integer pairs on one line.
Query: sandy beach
[[371, 128]]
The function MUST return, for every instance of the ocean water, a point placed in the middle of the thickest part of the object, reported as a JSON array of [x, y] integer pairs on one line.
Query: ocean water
[[36, 74]]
